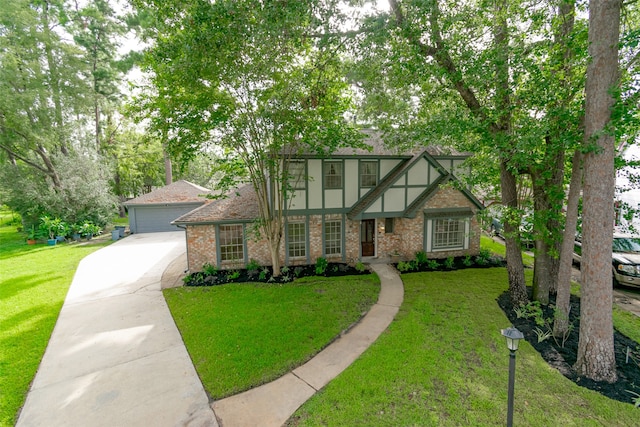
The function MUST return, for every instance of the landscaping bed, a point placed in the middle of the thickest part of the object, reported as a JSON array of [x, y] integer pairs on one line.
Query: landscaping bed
[[563, 357], [210, 276]]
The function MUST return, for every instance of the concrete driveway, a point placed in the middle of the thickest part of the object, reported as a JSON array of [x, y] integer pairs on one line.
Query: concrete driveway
[[115, 357]]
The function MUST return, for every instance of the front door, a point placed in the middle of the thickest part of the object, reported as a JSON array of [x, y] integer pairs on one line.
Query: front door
[[368, 237]]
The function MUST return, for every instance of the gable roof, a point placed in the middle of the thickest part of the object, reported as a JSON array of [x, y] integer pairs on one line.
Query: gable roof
[[240, 204], [177, 192], [410, 212]]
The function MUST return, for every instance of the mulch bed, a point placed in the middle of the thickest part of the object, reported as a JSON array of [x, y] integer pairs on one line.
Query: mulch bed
[[563, 358], [265, 274]]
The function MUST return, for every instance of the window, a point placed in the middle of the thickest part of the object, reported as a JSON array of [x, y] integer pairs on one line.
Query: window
[[297, 178], [231, 241], [368, 173], [448, 233], [333, 175], [296, 239], [333, 237], [388, 225]]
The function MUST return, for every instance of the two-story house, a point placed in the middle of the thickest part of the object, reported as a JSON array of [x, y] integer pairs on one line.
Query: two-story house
[[354, 205]]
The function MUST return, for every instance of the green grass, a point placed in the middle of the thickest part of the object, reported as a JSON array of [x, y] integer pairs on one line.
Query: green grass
[[243, 335], [33, 283], [499, 249], [443, 362], [626, 323]]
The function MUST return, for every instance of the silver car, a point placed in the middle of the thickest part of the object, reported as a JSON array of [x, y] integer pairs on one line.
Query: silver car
[[625, 259]]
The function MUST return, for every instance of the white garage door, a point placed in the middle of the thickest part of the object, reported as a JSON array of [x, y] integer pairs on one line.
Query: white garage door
[[156, 218]]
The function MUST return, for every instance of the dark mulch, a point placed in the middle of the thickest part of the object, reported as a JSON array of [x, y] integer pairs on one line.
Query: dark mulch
[[563, 358], [265, 274]]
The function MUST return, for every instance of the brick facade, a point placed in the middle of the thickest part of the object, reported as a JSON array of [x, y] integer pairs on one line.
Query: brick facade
[[406, 239]]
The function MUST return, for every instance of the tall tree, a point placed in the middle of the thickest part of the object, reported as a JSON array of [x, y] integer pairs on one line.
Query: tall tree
[[97, 29], [41, 88], [260, 81], [596, 358]]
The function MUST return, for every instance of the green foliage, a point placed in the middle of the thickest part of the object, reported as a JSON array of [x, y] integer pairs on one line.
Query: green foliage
[[253, 265], [360, 267], [233, 275], [432, 264], [635, 399], [404, 266], [421, 257], [209, 269], [484, 257], [263, 274], [52, 227], [448, 263], [84, 194], [89, 229], [321, 266], [467, 261]]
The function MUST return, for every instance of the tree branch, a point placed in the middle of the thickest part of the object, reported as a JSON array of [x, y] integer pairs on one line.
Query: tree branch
[[24, 159], [442, 57]]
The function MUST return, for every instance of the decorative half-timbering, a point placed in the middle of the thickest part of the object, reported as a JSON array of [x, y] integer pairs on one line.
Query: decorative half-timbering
[[355, 205]]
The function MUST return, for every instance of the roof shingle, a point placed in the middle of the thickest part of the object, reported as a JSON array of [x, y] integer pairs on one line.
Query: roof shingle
[[240, 204], [178, 192]]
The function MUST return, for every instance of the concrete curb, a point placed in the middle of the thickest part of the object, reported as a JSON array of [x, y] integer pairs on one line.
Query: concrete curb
[[272, 404]]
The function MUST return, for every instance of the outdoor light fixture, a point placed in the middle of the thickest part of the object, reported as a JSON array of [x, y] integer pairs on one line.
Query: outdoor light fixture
[[513, 337]]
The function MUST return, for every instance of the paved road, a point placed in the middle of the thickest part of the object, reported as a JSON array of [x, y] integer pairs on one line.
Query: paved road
[[115, 357]]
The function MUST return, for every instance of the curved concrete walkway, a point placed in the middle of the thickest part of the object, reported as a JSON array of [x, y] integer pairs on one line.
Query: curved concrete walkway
[[116, 358], [272, 404]]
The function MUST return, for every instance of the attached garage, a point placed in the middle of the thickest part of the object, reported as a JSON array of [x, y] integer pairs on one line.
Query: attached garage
[[154, 211]]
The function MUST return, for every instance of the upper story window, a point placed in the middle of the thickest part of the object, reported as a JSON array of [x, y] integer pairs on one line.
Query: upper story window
[[296, 174], [332, 174], [368, 173]]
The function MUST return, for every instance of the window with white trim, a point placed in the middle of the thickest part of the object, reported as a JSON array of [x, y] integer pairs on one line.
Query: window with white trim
[[296, 172], [296, 240], [332, 175], [231, 241], [448, 233], [333, 237], [368, 173]]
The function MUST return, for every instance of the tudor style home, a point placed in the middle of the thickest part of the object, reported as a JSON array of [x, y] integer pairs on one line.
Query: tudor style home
[[354, 205]]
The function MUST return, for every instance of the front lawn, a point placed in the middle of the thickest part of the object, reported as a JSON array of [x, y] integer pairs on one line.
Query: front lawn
[[443, 362], [33, 284], [241, 335]]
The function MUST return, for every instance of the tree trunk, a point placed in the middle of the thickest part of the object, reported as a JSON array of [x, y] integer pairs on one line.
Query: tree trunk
[[515, 267], [548, 199], [596, 358], [54, 81], [563, 305], [168, 168]]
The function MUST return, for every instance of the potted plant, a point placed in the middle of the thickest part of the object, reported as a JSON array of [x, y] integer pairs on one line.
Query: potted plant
[[32, 235], [61, 229], [89, 230], [49, 227], [75, 229]]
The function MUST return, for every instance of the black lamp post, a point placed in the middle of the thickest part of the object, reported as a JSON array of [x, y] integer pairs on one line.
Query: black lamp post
[[513, 336]]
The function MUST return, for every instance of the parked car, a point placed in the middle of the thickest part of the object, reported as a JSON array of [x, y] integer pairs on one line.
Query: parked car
[[625, 259]]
